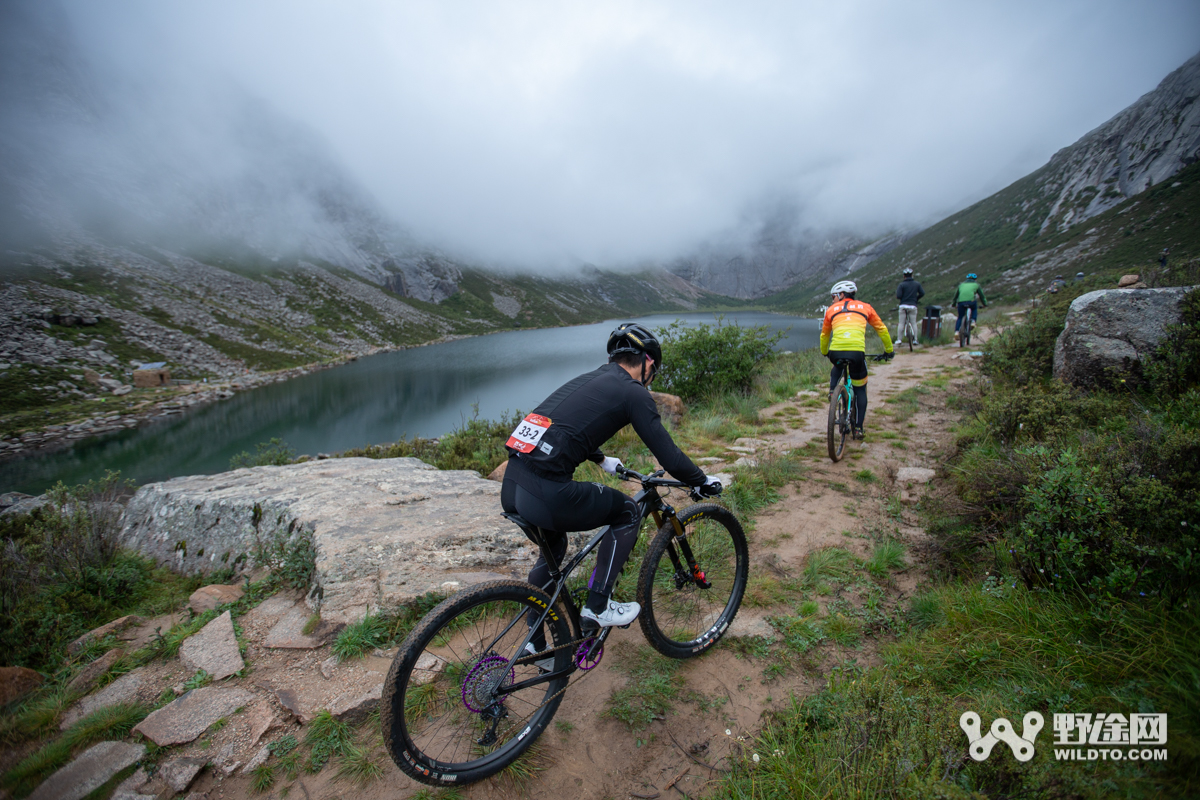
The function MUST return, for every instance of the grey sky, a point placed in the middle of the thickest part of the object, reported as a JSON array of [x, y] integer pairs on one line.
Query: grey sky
[[543, 133]]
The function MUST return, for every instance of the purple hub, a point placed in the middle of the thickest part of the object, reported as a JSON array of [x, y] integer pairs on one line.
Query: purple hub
[[477, 686], [581, 654]]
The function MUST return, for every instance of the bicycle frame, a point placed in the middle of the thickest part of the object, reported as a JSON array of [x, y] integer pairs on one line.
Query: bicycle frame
[[650, 504]]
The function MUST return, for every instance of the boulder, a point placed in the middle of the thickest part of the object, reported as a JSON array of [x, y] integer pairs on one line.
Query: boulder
[[498, 473], [213, 649], [1109, 333], [94, 768], [385, 530], [16, 682], [1128, 281], [670, 407], [91, 376], [206, 598]]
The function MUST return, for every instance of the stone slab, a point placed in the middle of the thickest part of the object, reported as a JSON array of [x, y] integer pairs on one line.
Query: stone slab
[[355, 706], [214, 649], [288, 633], [187, 717], [385, 530], [914, 475], [94, 768], [271, 609], [206, 598], [91, 673], [114, 627], [178, 773], [123, 690]]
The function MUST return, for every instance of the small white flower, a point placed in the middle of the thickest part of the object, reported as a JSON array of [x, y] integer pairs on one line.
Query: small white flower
[[728, 732], [754, 758]]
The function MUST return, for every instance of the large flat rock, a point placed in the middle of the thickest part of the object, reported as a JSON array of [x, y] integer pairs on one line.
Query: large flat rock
[[94, 768], [386, 530], [123, 690], [190, 715]]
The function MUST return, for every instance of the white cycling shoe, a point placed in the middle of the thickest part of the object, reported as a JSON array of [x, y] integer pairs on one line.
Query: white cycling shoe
[[617, 614], [544, 664]]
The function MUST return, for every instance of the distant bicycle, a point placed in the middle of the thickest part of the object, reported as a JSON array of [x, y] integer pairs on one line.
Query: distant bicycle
[[909, 332], [964, 332], [842, 409], [469, 692]]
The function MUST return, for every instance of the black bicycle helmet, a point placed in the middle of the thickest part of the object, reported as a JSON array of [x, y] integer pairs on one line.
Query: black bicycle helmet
[[630, 337]]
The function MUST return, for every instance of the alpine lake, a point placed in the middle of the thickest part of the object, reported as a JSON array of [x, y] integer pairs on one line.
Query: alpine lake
[[423, 391]]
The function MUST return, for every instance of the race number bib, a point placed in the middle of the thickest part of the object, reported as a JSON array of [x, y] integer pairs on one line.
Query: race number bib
[[529, 433]]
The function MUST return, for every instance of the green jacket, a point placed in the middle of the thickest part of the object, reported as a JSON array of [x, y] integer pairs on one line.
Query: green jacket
[[965, 293]]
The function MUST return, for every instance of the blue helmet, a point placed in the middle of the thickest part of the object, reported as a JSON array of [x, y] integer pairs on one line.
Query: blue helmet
[[971, 276]]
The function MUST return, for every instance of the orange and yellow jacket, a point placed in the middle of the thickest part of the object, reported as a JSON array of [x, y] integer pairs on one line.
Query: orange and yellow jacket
[[845, 327]]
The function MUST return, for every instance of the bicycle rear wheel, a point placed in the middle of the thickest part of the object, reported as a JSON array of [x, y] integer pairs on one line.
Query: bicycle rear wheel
[[690, 587], [912, 337], [443, 721], [839, 422]]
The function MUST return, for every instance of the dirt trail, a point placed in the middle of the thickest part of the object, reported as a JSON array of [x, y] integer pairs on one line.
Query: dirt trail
[[852, 505]]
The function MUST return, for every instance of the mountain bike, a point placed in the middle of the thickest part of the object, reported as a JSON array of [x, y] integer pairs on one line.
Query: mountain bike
[[964, 331], [909, 331], [465, 697], [842, 409]]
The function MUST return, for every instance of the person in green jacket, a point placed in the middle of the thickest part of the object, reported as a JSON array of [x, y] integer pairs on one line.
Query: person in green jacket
[[964, 298]]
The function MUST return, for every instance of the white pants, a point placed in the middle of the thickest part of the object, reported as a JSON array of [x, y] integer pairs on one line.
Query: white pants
[[908, 315]]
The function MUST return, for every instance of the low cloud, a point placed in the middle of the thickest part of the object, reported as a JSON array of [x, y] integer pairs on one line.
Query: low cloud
[[547, 135]]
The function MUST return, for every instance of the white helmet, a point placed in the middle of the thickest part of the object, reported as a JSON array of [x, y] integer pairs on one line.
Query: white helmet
[[847, 287]]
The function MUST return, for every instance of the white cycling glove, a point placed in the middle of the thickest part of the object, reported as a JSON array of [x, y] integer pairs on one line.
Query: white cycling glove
[[711, 487], [610, 464]]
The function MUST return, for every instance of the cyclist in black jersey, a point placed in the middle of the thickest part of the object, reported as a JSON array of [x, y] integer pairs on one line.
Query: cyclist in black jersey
[[569, 427]]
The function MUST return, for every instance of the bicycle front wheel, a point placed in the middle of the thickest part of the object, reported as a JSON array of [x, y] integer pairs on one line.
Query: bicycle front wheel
[[691, 586], [444, 719], [839, 423]]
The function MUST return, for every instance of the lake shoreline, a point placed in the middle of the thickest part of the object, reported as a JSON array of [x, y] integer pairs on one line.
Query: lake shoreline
[[76, 440]]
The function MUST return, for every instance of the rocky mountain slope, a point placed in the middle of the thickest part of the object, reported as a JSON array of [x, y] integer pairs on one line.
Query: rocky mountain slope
[[1109, 202], [214, 234]]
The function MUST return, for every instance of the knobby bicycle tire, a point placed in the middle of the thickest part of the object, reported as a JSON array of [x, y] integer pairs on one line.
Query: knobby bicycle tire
[[680, 618], [835, 433], [438, 700]]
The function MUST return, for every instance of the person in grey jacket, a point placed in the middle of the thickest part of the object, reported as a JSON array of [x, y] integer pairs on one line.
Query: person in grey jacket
[[908, 293]]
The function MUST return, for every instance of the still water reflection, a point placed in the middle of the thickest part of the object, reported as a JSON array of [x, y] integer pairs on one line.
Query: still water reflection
[[426, 391]]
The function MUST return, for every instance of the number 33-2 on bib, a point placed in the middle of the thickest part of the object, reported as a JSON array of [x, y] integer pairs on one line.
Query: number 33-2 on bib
[[528, 433]]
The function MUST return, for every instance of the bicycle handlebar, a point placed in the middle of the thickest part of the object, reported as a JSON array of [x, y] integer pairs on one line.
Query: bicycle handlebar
[[655, 479]]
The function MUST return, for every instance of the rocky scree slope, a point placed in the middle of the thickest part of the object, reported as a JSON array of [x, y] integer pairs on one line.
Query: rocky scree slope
[[1112, 200]]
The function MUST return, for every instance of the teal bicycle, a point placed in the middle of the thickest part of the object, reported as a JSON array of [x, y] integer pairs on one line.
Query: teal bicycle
[[842, 409]]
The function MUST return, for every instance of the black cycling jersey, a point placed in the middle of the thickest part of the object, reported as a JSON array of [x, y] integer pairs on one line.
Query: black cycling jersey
[[586, 412], [909, 292]]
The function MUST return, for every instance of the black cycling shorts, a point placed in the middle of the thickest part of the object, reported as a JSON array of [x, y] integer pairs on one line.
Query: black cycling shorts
[[561, 506], [857, 359]]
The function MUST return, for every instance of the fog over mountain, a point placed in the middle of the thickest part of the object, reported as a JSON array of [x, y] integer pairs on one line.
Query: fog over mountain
[[544, 136]]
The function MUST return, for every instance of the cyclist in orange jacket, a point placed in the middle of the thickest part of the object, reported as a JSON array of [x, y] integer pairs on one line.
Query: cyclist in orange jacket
[[844, 336]]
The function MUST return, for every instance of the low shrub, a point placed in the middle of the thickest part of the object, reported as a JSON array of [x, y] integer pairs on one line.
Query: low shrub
[[62, 573], [275, 453], [477, 445], [707, 360]]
